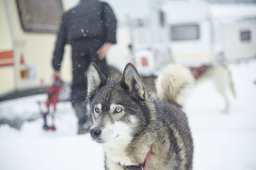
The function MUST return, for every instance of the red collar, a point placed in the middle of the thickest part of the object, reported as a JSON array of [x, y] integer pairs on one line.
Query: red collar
[[143, 165]]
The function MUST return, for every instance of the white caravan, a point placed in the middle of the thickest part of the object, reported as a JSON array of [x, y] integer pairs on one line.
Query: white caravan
[[27, 40], [201, 32]]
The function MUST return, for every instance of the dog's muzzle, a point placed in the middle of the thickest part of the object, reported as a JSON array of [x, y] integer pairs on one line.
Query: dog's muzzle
[[95, 133], [102, 136]]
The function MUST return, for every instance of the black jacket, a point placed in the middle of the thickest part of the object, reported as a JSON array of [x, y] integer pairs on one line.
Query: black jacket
[[89, 20]]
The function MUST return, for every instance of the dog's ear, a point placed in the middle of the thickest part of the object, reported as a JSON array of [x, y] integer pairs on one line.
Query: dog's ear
[[95, 79], [132, 81]]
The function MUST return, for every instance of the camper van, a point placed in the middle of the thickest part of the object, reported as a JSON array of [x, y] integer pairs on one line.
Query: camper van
[[27, 36], [192, 33], [235, 31], [200, 32]]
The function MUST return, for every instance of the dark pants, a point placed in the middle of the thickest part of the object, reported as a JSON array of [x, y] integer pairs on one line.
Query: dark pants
[[83, 53], [82, 114]]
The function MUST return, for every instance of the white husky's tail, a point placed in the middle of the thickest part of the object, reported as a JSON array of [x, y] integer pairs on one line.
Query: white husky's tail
[[173, 83]]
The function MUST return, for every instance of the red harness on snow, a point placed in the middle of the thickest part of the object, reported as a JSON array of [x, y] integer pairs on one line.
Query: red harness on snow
[[142, 166]]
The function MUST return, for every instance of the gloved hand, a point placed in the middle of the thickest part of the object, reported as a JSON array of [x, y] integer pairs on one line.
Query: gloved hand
[[103, 51]]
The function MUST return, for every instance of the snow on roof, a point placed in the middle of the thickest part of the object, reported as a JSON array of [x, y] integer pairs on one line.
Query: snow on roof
[[180, 11], [131, 8], [235, 11]]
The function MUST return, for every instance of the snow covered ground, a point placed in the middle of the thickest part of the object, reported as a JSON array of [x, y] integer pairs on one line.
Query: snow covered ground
[[225, 141], [222, 141]]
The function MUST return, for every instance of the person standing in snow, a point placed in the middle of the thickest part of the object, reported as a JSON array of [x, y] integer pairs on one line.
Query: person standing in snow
[[90, 29]]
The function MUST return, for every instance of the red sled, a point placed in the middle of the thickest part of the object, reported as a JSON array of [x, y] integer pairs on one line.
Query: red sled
[[50, 105]]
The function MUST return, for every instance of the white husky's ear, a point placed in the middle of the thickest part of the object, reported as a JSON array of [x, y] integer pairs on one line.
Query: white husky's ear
[[94, 79], [132, 81]]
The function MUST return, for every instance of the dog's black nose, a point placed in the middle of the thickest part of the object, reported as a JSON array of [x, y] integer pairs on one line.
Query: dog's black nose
[[95, 132]]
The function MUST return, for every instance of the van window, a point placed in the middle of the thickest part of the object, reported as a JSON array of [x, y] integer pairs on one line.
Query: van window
[[185, 32], [245, 36], [40, 15]]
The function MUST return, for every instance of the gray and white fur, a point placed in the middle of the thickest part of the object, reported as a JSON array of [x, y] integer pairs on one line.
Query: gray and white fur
[[128, 121]]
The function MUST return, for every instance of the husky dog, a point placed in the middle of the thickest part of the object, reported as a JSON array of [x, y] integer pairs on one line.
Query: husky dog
[[221, 78], [137, 131], [219, 74]]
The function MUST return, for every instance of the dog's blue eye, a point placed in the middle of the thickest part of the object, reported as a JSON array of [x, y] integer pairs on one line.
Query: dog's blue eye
[[118, 110], [97, 110]]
